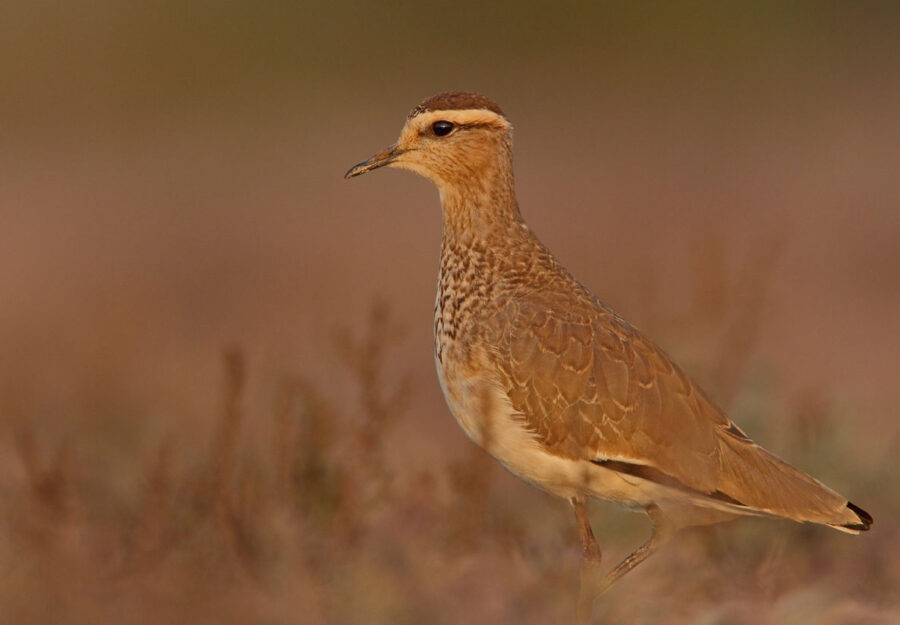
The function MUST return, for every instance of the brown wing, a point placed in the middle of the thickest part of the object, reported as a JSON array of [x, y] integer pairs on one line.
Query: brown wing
[[590, 386]]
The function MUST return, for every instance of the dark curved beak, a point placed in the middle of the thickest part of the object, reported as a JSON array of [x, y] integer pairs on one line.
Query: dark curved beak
[[385, 157]]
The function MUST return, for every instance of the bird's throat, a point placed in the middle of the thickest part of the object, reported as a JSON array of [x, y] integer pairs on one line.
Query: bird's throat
[[477, 209]]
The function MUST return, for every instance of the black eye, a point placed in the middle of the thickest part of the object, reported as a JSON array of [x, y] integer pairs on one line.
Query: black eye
[[441, 129]]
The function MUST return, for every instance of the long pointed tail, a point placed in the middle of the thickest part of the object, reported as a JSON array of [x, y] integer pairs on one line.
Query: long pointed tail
[[759, 479]]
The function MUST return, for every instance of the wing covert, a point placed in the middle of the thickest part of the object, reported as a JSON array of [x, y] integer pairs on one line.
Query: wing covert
[[590, 386]]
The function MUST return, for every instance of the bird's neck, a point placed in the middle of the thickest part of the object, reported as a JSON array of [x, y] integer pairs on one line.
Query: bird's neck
[[485, 239], [481, 207]]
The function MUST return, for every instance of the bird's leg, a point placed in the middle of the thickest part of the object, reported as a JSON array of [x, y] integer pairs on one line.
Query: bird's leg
[[663, 530], [591, 587], [590, 561]]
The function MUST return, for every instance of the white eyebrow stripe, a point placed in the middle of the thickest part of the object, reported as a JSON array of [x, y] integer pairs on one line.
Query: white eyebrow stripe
[[461, 117]]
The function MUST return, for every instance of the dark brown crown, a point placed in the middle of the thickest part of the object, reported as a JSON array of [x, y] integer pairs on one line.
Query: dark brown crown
[[455, 101]]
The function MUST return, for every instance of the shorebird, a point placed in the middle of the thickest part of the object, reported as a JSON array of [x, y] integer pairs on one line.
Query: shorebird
[[555, 385]]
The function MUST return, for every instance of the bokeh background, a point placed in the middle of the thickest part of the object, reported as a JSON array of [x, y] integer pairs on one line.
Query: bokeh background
[[217, 395]]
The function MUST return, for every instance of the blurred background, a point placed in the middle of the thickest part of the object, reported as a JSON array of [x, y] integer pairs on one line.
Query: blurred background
[[217, 393]]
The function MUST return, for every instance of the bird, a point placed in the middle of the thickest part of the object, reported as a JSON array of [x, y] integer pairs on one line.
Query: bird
[[559, 388]]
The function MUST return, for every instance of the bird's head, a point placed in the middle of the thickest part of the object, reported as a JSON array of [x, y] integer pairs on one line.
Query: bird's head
[[454, 139]]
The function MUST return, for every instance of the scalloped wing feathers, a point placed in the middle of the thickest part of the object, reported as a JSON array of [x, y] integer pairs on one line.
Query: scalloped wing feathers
[[591, 387]]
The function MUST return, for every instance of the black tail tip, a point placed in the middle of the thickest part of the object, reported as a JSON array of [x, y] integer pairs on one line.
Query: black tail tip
[[864, 517]]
